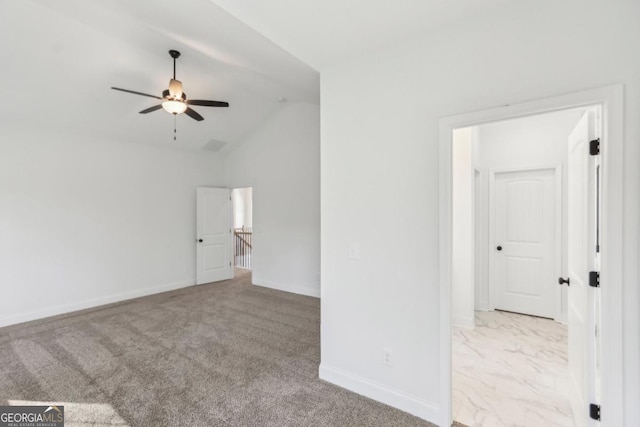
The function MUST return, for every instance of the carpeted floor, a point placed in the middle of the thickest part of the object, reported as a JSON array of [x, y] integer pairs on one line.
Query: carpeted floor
[[223, 354]]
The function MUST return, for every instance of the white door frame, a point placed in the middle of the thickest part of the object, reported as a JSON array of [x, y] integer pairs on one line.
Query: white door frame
[[610, 98], [557, 168]]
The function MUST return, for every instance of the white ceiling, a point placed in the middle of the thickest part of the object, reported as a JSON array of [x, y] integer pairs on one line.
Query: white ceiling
[[60, 58], [324, 32]]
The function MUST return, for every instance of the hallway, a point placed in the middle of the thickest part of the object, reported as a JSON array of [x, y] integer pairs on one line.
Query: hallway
[[511, 370]]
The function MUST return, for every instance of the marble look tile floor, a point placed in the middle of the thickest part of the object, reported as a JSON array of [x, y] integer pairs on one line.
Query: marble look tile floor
[[511, 370]]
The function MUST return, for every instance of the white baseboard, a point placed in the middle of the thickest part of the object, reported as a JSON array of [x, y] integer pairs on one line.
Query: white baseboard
[[91, 303], [464, 323], [483, 307], [397, 399], [302, 290]]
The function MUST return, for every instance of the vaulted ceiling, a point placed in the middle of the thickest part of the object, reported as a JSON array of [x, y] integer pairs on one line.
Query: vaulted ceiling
[[325, 32], [60, 58]]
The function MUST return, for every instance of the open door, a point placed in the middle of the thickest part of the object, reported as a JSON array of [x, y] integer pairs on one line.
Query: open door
[[582, 259], [213, 235]]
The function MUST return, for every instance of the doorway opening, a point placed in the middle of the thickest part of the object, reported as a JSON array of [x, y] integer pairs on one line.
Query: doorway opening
[[242, 199], [510, 334], [589, 300]]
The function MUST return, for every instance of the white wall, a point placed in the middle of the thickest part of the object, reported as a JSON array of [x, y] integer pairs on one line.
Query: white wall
[[529, 142], [463, 240], [242, 207], [280, 161], [377, 156], [85, 221]]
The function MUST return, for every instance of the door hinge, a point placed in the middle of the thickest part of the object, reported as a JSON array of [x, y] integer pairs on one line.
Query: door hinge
[[594, 147], [594, 279], [594, 411]]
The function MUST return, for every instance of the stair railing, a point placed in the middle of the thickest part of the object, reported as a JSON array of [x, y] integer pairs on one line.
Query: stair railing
[[242, 244]]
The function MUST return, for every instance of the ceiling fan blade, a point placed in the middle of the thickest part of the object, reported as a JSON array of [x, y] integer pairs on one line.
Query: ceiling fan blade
[[135, 93], [191, 113], [207, 103], [150, 109]]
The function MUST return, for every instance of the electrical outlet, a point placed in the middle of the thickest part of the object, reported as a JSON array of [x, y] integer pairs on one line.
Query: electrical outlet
[[387, 356]]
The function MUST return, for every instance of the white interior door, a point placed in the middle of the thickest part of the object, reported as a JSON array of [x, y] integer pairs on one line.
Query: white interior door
[[213, 235], [581, 259], [525, 255]]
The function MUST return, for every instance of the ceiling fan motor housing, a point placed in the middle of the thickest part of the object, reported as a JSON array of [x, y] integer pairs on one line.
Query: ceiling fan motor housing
[[167, 95]]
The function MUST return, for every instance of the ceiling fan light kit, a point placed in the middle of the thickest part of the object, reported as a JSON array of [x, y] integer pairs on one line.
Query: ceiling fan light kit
[[174, 100], [175, 88], [174, 107]]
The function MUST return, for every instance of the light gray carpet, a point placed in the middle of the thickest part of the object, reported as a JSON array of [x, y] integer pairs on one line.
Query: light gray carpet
[[223, 354]]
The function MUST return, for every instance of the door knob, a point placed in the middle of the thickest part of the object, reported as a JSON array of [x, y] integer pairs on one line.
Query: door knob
[[499, 248], [561, 281], [200, 240]]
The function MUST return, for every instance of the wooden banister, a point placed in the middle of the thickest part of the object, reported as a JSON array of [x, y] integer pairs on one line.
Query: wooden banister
[[241, 235]]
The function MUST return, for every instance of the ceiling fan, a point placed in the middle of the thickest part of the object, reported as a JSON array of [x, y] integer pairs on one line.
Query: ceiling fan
[[174, 100]]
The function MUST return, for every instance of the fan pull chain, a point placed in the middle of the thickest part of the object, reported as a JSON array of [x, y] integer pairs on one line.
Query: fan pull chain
[[174, 126]]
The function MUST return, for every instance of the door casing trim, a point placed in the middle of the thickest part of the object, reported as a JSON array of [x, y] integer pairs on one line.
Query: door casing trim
[[611, 100]]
